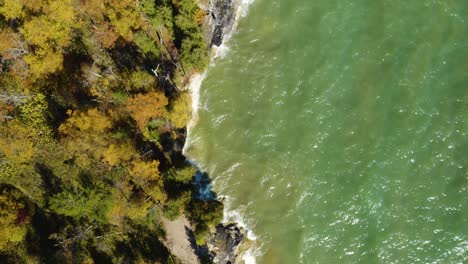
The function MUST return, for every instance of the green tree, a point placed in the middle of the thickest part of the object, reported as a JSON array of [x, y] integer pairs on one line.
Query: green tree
[[141, 81], [176, 206], [206, 214], [182, 175], [88, 203], [194, 51], [147, 45]]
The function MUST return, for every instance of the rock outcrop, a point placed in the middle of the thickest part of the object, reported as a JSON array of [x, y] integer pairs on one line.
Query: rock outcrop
[[220, 21], [225, 244], [228, 241]]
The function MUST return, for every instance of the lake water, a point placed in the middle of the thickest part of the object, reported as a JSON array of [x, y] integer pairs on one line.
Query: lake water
[[338, 130]]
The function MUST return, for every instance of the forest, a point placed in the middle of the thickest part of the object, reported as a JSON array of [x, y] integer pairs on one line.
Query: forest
[[93, 115]]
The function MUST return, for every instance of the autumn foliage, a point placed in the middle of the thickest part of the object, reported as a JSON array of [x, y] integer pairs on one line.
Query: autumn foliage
[[144, 107], [92, 117]]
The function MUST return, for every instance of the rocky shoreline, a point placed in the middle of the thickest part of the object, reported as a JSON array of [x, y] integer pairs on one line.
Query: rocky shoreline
[[220, 20], [227, 243]]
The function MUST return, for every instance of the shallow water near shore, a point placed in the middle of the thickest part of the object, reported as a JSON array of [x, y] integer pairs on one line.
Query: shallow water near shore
[[338, 130]]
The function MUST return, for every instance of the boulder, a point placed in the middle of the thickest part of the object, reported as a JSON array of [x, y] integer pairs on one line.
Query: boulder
[[225, 243]]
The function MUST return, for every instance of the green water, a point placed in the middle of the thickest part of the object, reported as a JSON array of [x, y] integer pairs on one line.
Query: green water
[[338, 129]]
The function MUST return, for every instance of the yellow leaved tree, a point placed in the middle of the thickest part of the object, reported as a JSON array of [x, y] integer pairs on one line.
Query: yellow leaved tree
[[13, 216], [144, 107], [49, 33], [124, 17], [82, 135], [143, 172], [17, 142], [180, 112], [91, 121], [11, 9], [86, 136], [118, 153], [146, 175]]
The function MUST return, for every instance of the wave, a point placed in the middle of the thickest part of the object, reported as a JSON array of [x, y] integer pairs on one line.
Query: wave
[[230, 214], [242, 10], [194, 90], [220, 52], [237, 216], [250, 255]]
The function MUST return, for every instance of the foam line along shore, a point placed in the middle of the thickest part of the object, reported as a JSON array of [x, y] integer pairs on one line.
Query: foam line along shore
[[219, 26]]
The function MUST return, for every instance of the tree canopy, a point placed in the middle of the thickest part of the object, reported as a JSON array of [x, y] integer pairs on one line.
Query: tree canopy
[[92, 119]]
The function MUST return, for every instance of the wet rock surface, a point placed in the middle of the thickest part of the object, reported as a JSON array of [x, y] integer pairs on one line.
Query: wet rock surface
[[224, 244], [219, 22]]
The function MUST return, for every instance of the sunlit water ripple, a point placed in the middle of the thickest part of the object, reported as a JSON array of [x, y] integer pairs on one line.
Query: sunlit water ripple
[[338, 130]]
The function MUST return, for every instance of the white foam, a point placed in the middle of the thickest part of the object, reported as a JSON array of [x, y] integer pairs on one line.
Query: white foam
[[236, 215], [230, 215], [219, 52], [242, 10], [194, 89], [244, 7], [249, 256]]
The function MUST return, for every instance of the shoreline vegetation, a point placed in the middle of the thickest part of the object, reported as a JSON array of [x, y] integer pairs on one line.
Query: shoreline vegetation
[[93, 111]]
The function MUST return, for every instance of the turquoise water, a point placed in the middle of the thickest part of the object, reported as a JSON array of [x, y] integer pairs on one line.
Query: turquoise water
[[338, 130]]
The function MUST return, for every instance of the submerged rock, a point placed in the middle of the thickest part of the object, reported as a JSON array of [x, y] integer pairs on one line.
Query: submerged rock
[[225, 244]]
